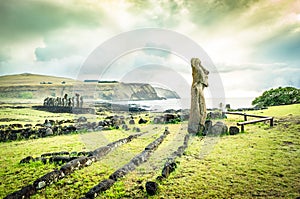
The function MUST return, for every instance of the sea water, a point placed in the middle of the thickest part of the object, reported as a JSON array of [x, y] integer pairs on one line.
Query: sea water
[[162, 105]]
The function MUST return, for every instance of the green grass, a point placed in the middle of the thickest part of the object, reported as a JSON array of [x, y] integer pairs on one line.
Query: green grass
[[279, 111], [263, 162]]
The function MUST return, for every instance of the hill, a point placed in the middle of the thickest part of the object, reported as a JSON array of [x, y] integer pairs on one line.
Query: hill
[[33, 86], [27, 79]]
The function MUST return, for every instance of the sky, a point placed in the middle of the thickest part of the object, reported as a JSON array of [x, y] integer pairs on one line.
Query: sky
[[253, 45]]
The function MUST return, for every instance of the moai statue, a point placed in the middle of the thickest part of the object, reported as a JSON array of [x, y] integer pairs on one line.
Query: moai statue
[[66, 99], [51, 101], [56, 101], [77, 100], [81, 101], [46, 101], [72, 100], [69, 102], [198, 106], [59, 101]]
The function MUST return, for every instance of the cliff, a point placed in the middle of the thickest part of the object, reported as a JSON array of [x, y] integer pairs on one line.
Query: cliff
[[165, 93]]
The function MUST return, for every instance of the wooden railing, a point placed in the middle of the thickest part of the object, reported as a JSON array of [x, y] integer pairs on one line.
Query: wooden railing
[[242, 124]]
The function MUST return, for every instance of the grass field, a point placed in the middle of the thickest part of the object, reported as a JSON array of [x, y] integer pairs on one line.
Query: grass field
[[263, 162]]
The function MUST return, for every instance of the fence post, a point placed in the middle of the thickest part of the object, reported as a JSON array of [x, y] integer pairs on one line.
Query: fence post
[[271, 122], [245, 117], [242, 128]]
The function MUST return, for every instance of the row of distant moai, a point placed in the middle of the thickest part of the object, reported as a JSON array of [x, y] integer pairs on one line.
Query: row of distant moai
[[76, 101]]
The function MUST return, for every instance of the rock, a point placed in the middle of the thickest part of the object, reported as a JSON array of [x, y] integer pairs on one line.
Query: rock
[[214, 115], [168, 168], [185, 117], [102, 186], [207, 127], [131, 121], [49, 131], [125, 127], [81, 119], [99, 128], [166, 132], [156, 120], [169, 117], [219, 128], [25, 192], [151, 188], [59, 159], [120, 173], [142, 121], [233, 130], [47, 179], [26, 160]]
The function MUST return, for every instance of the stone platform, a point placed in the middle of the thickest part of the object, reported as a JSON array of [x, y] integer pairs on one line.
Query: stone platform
[[65, 109]]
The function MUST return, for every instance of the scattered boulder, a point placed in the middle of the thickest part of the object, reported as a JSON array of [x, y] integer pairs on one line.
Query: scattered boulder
[[26, 160], [99, 128], [233, 130], [125, 127], [151, 188], [158, 120], [49, 131], [168, 168], [142, 121], [169, 117], [219, 128], [131, 121], [207, 127], [81, 119], [215, 115], [137, 129]]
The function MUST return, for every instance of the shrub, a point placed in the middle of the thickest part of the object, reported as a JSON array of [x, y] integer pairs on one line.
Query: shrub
[[278, 96]]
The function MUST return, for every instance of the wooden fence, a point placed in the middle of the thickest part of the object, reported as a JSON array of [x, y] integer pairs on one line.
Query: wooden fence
[[242, 124]]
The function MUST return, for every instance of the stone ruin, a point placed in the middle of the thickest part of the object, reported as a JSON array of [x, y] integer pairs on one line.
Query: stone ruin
[[65, 101], [65, 104]]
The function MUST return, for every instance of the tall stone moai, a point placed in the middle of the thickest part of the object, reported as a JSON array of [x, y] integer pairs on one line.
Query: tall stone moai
[[81, 101], [66, 100], [77, 100], [198, 106], [72, 100]]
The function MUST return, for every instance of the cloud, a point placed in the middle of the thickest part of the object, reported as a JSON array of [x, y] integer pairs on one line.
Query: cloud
[[282, 47], [66, 67], [254, 81], [254, 43], [22, 20]]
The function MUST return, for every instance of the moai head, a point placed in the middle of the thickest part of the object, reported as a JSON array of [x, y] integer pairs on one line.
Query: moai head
[[200, 74]]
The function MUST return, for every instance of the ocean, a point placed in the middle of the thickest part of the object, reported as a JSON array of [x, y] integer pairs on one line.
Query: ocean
[[162, 105]]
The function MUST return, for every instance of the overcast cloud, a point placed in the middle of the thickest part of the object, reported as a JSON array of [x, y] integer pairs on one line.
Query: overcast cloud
[[255, 45]]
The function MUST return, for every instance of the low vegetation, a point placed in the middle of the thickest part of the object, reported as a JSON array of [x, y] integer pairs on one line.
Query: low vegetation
[[262, 162], [278, 96]]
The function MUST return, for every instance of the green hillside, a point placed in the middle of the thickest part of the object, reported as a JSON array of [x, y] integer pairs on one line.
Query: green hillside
[[33, 79], [263, 162], [24, 87]]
